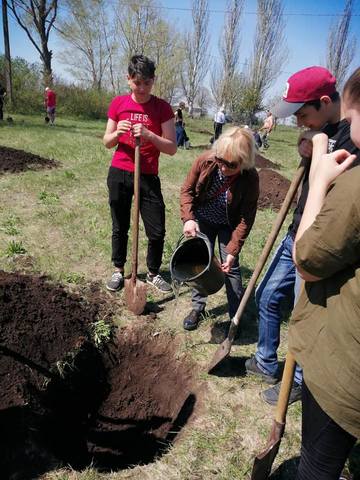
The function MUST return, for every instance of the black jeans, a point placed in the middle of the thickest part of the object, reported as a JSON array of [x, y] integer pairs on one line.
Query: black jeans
[[233, 283], [325, 445], [152, 209], [218, 130]]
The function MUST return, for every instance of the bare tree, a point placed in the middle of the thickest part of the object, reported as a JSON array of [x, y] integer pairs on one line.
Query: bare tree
[[229, 51], [36, 18], [90, 39], [7, 63], [204, 100], [143, 31], [341, 48], [269, 53], [196, 58], [136, 21]]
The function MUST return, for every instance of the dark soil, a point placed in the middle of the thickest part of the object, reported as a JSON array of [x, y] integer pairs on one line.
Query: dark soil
[[273, 189], [15, 161], [262, 162], [65, 402]]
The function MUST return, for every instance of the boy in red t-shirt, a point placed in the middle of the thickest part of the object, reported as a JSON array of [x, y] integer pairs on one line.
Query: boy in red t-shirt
[[138, 114], [50, 104]]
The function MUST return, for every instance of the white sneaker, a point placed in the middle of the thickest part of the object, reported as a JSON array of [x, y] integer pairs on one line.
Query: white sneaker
[[158, 282]]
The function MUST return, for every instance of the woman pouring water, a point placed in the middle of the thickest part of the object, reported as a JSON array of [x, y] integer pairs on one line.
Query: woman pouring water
[[219, 198]]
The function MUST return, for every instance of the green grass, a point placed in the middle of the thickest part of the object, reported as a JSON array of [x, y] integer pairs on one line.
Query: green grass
[[59, 220]]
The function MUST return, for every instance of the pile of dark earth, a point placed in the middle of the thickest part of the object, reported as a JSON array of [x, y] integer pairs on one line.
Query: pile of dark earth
[[16, 161], [65, 401]]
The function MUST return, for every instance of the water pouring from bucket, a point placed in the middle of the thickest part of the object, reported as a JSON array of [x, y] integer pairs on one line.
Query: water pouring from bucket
[[194, 264]]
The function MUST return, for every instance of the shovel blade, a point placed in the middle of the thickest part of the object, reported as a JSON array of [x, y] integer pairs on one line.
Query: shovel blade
[[221, 353], [135, 296], [264, 460]]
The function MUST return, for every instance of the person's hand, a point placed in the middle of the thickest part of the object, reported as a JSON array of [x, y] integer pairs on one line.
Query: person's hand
[[123, 126], [190, 228], [305, 142], [329, 166], [139, 130], [226, 266]]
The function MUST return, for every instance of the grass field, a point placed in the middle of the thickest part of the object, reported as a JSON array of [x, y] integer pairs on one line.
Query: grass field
[[57, 222]]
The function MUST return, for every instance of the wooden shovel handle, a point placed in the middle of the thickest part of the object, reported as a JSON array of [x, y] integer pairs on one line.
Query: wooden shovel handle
[[136, 207], [285, 389], [272, 238]]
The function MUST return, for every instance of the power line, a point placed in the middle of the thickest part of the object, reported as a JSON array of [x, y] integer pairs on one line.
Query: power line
[[187, 9]]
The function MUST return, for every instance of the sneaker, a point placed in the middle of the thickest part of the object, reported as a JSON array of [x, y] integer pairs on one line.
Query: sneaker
[[191, 321], [116, 281], [158, 282], [271, 395], [252, 368]]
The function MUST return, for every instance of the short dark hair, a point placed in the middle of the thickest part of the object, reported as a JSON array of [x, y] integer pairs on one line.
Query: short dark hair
[[335, 97], [352, 87], [141, 66]]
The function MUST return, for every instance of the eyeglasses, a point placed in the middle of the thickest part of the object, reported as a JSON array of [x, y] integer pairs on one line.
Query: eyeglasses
[[230, 165]]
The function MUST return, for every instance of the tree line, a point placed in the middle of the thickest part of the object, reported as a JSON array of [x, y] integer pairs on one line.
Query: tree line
[[99, 37]]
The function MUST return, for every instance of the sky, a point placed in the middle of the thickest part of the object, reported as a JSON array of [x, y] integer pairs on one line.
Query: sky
[[306, 27]]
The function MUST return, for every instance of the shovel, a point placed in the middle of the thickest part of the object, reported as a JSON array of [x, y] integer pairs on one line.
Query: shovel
[[263, 462], [224, 349], [135, 290]]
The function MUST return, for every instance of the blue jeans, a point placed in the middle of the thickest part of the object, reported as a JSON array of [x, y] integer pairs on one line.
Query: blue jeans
[[280, 282], [180, 137], [233, 284]]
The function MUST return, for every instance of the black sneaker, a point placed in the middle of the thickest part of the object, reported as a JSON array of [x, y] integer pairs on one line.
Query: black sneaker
[[252, 368], [116, 281], [158, 282], [191, 321], [271, 395]]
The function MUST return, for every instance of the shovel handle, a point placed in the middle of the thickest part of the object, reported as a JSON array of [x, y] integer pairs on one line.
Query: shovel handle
[[269, 244], [135, 218], [285, 389]]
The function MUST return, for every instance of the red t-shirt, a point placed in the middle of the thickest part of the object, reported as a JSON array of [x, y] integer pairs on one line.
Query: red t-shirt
[[151, 114], [50, 98]]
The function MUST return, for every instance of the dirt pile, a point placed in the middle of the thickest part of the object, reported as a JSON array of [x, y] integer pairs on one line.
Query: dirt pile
[[273, 189], [262, 162], [15, 161], [65, 402]]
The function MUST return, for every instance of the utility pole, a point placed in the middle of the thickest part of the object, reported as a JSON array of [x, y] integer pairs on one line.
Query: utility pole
[[8, 78]]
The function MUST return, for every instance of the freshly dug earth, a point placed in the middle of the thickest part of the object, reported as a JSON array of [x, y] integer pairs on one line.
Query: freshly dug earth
[[15, 161], [65, 402], [262, 162], [273, 189]]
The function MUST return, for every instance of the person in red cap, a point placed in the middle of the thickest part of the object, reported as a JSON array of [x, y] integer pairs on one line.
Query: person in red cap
[[312, 97]]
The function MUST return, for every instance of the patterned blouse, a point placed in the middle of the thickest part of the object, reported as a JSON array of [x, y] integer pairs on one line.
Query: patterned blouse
[[213, 211]]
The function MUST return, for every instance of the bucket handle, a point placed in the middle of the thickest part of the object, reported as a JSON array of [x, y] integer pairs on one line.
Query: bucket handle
[[198, 234]]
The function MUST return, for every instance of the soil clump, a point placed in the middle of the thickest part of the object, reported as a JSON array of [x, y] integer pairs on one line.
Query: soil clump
[[15, 161], [63, 401]]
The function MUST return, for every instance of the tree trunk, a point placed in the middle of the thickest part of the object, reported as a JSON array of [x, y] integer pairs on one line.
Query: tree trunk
[[46, 58], [8, 76]]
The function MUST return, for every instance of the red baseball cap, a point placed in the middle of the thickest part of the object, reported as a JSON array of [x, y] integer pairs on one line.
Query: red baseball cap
[[305, 86]]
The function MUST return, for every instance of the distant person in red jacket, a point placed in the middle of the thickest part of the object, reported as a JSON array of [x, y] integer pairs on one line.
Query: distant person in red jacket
[[50, 104]]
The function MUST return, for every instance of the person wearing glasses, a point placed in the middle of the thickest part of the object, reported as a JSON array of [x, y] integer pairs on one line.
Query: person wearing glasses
[[219, 198]]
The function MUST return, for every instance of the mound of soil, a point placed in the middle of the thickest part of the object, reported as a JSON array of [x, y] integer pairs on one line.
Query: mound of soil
[[262, 162], [65, 402], [15, 161], [273, 189]]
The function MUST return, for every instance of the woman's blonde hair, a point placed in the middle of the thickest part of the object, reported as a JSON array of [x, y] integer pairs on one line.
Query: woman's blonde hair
[[236, 145]]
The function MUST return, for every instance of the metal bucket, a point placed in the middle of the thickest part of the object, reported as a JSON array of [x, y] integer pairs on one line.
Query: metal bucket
[[194, 264]]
